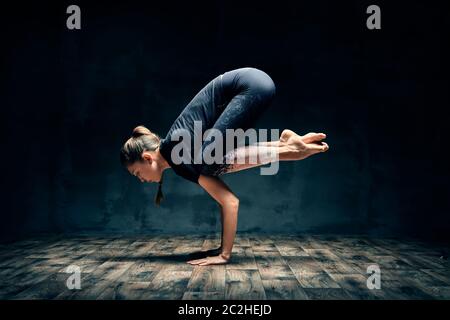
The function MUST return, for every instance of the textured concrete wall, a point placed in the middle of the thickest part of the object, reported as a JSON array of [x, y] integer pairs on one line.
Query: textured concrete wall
[[72, 97]]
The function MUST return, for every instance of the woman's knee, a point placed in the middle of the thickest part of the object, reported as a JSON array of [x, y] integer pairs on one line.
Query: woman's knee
[[262, 82]]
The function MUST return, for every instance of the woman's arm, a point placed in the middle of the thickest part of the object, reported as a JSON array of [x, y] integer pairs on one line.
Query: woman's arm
[[229, 204]]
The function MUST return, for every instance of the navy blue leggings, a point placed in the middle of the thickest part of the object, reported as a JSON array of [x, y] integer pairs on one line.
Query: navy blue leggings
[[235, 99]]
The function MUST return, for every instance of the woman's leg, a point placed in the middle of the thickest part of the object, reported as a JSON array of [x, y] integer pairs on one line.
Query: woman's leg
[[290, 147], [252, 92]]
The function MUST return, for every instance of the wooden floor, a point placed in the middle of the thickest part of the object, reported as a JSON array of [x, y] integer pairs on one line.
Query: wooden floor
[[262, 267]]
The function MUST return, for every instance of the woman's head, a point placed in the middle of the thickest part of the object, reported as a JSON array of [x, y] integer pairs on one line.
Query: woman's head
[[140, 156]]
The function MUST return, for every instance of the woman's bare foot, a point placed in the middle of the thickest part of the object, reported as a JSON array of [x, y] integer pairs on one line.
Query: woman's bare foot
[[303, 146]]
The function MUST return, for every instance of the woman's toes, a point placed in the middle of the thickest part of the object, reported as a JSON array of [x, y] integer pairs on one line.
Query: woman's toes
[[313, 137], [318, 147]]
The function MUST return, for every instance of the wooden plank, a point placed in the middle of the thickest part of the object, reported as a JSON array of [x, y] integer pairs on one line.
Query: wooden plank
[[124, 291], [290, 248], [440, 293], [163, 247], [208, 279], [338, 267], [416, 278], [283, 289], [264, 247], [302, 265], [188, 247], [330, 262], [276, 272], [168, 284], [327, 294], [209, 244], [322, 255], [311, 244], [25, 279], [50, 287], [242, 259], [86, 265], [391, 262], [95, 283], [316, 280], [111, 270], [140, 272], [192, 295], [244, 285], [441, 274], [426, 261], [242, 240], [256, 240], [406, 292], [356, 286], [269, 258], [138, 249]]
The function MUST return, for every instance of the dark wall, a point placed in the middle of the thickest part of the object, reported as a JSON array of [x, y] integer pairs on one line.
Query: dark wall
[[70, 99]]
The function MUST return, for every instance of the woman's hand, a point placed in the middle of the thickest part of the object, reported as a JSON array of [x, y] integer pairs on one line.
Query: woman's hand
[[210, 261]]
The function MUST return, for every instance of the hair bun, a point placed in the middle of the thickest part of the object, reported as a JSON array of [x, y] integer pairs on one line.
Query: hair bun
[[140, 131]]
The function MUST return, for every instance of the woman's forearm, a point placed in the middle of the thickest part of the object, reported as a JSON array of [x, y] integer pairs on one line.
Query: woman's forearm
[[229, 214]]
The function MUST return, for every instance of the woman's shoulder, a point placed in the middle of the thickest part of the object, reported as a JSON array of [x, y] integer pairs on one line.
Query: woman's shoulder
[[186, 170]]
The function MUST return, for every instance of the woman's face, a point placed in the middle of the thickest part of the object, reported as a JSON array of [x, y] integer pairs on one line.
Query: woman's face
[[146, 170]]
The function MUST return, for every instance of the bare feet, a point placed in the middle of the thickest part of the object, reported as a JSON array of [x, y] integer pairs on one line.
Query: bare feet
[[303, 146]]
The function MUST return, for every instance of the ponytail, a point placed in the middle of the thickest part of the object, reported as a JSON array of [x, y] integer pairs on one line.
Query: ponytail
[[159, 195]]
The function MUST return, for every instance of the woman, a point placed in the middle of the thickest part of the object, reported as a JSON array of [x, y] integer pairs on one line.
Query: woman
[[232, 100]]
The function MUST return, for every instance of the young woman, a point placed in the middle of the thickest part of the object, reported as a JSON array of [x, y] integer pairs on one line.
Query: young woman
[[232, 100]]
